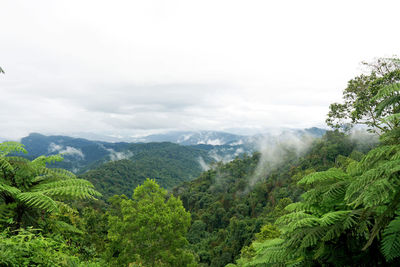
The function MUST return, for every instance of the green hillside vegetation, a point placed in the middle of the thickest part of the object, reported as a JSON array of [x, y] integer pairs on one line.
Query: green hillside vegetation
[[168, 164], [227, 211], [81, 155], [335, 203]]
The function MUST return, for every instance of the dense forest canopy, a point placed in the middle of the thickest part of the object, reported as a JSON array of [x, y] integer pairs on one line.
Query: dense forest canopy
[[334, 202]]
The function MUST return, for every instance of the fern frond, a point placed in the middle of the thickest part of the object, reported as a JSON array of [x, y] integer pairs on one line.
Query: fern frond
[[332, 232], [72, 192], [11, 147], [331, 174], [313, 195], [291, 217], [75, 188], [63, 227], [8, 190], [391, 137], [62, 173], [377, 154], [333, 217], [44, 178], [396, 156], [38, 201], [352, 219], [312, 236], [61, 184], [7, 212], [306, 222], [337, 224], [353, 169], [390, 243], [377, 194], [5, 165], [305, 207], [364, 184], [43, 160], [270, 252], [336, 192], [65, 207]]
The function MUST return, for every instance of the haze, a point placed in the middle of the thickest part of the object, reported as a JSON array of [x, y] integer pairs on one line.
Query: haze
[[140, 67]]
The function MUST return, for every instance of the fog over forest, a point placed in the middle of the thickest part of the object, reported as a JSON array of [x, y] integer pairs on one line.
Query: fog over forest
[[223, 133]]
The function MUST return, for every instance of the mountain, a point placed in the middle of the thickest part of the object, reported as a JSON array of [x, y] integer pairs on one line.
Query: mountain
[[196, 137], [82, 154], [116, 168], [78, 153], [169, 164]]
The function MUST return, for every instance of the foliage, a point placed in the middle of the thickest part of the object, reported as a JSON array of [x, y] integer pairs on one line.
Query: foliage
[[149, 229], [28, 189], [117, 168], [228, 208], [30, 248], [169, 166], [363, 102], [347, 216]]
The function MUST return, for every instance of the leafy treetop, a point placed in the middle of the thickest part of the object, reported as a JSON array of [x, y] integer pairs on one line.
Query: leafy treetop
[[362, 103]]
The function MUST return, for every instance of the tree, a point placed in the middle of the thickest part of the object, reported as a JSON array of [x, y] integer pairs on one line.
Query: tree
[[362, 105], [349, 215], [30, 248], [150, 228], [29, 190]]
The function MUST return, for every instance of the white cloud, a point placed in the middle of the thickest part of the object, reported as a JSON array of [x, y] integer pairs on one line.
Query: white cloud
[[183, 65], [68, 150], [203, 164], [114, 155]]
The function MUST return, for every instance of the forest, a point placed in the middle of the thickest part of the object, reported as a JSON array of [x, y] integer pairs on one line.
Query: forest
[[332, 202]]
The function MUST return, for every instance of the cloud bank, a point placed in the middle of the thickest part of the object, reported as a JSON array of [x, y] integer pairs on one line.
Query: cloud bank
[[137, 67]]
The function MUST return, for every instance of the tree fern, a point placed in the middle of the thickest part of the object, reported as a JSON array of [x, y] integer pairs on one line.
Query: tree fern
[[391, 240], [11, 147], [38, 201], [29, 187], [318, 177]]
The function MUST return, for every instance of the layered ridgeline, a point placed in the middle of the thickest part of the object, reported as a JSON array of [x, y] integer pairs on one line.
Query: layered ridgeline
[[81, 154], [199, 137], [117, 168]]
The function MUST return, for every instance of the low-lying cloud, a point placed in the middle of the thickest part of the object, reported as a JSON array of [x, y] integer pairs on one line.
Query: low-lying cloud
[[68, 150], [114, 155], [275, 150], [204, 166]]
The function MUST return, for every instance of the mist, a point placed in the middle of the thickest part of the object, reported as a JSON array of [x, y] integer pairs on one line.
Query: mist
[[275, 151]]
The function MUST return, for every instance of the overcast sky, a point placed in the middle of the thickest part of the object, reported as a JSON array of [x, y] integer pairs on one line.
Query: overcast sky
[[136, 67]]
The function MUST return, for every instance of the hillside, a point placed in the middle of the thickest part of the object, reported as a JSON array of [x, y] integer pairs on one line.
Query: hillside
[[230, 203], [169, 164], [81, 155]]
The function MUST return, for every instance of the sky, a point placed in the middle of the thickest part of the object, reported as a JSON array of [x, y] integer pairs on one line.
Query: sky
[[133, 68]]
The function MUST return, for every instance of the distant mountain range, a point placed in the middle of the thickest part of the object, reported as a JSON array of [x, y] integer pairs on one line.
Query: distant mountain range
[[82, 154], [169, 158], [198, 137]]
